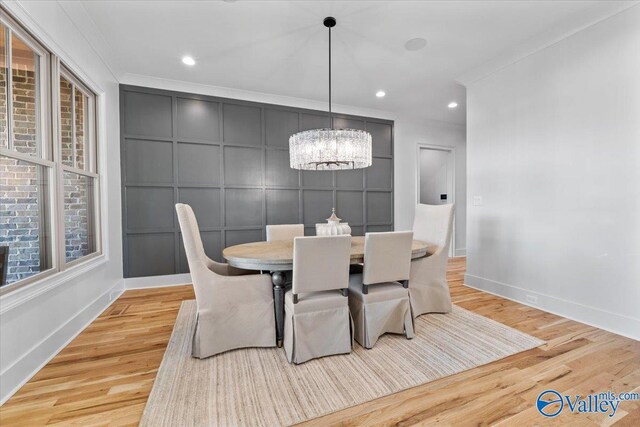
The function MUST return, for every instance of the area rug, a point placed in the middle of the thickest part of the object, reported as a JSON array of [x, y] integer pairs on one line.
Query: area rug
[[258, 387]]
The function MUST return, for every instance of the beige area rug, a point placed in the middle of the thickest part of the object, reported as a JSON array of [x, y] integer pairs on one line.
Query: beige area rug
[[259, 387]]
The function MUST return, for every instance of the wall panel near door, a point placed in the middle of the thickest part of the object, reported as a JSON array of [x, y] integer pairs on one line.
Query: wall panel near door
[[229, 160]]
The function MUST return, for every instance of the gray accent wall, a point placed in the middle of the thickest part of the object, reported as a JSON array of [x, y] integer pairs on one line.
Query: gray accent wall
[[229, 160]]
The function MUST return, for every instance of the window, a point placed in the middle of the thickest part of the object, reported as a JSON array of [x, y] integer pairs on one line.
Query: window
[[25, 217], [48, 165], [76, 145]]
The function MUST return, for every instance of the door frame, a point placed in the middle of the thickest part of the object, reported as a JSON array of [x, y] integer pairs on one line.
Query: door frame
[[452, 151]]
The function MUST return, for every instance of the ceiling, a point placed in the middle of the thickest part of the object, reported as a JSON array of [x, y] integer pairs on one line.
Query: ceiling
[[280, 47]]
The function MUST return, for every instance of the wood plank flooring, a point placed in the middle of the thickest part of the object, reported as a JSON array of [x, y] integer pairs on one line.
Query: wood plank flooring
[[105, 375]]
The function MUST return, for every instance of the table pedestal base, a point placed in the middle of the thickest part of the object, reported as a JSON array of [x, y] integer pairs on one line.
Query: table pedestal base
[[279, 280]]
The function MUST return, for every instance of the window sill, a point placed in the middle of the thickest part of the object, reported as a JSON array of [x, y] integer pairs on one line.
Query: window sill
[[21, 295]]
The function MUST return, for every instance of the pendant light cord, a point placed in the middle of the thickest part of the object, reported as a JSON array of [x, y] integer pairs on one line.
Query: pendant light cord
[[330, 117]]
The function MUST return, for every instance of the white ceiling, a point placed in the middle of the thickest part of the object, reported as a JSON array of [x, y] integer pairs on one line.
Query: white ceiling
[[280, 47]]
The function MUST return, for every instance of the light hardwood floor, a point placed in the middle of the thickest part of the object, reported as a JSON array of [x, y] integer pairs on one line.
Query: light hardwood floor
[[105, 375]]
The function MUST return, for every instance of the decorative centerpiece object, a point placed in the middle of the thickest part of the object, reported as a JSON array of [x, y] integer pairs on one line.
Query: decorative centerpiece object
[[333, 227]]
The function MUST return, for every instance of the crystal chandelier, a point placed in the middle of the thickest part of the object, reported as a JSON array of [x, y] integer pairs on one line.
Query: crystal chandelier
[[329, 148]]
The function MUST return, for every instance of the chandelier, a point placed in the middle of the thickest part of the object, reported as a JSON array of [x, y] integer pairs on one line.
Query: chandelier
[[329, 148]]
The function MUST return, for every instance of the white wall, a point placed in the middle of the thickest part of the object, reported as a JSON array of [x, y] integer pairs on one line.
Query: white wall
[[38, 320], [554, 152], [409, 133]]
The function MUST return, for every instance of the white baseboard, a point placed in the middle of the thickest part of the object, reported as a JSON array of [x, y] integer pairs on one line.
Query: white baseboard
[[157, 281], [16, 375], [460, 252], [612, 322]]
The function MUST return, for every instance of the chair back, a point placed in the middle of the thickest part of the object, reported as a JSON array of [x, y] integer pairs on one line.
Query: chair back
[[284, 232], [433, 224], [321, 263], [387, 257], [191, 236]]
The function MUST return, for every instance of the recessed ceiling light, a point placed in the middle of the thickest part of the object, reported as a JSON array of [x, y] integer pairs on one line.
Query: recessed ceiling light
[[415, 44], [452, 105], [380, 93], [187, 60]]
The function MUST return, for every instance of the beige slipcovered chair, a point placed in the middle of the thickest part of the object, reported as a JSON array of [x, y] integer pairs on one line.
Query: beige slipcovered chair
[[235, 310], [428, 287], [317, 320], [284, 232], [378, 298]]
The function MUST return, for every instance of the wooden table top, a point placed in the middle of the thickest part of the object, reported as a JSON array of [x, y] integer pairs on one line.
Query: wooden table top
[[278, 255]]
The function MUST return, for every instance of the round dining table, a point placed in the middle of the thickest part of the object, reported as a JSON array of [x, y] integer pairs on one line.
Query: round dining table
[[276, 257]]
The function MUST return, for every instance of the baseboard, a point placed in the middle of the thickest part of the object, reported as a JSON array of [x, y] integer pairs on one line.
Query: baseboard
[[460, 253], [16, 375], [157, 281], [612, 322]]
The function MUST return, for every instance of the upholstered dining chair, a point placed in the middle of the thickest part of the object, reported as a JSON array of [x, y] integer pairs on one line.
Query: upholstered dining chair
[[235, 310], [428, 287], [379, 298], [317, 319], [284, 232]]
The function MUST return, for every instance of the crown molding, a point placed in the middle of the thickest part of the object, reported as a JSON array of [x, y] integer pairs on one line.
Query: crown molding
[[86, 26], [551, 36], [32, 24], [247, 95]]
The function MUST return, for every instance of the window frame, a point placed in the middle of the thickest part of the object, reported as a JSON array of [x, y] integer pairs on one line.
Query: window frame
[[49, 147], [60, 70], [44, 89]]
